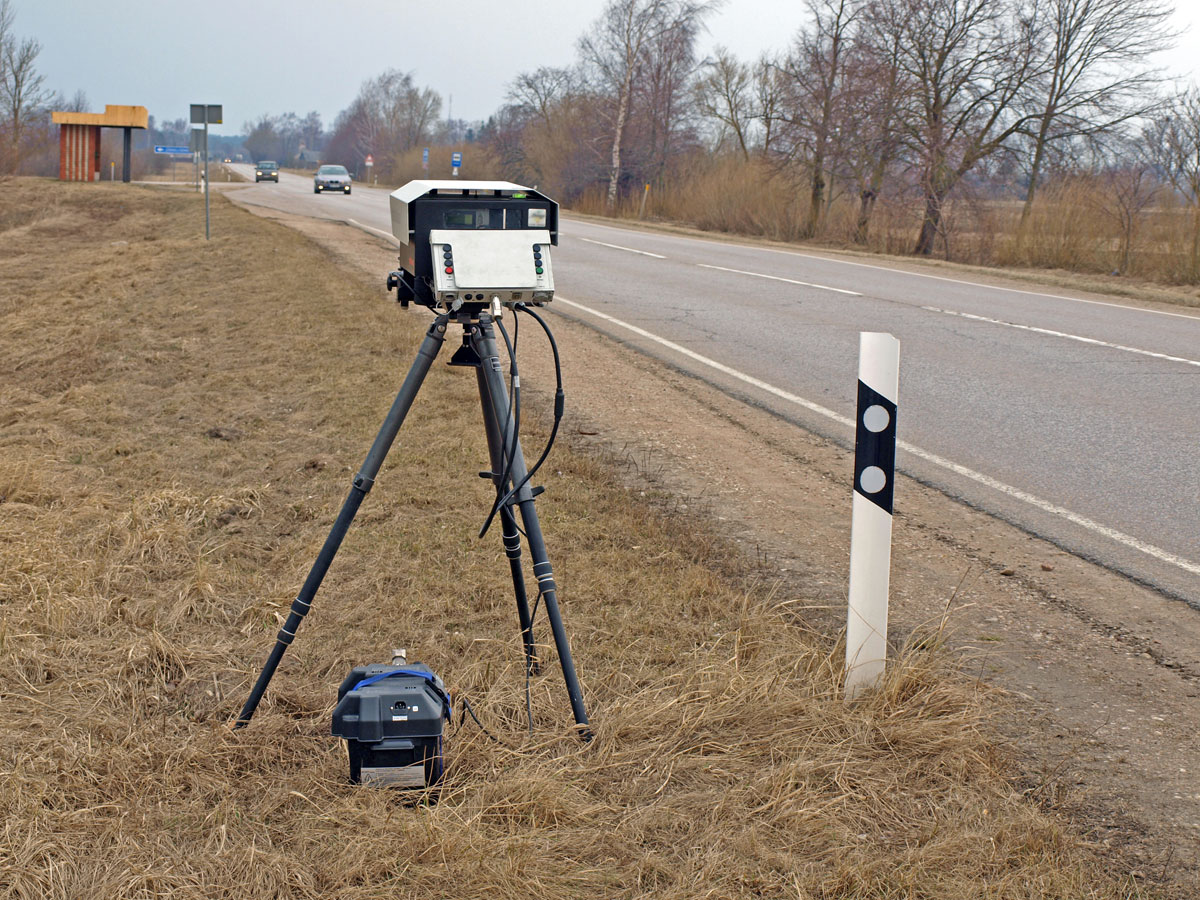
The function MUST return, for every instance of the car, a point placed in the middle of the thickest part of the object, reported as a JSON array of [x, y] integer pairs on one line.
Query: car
[[267, 170], [331, 178]]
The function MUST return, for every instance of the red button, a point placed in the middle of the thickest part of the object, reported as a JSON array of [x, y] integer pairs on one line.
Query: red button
[[449, 270]]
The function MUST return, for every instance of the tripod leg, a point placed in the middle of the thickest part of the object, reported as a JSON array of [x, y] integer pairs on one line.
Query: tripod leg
[[508, 522], [363, 481], [483, 341]]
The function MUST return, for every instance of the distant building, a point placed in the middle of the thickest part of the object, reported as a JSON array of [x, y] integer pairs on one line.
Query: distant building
[[308, 158]]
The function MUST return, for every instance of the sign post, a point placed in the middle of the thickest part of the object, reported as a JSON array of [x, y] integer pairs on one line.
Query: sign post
[[208, 114], [425, 159], [455, 163], [871, 513], [369, 162]]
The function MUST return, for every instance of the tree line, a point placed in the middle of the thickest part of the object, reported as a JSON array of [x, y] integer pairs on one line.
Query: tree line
[[915, 101], [958, 127]]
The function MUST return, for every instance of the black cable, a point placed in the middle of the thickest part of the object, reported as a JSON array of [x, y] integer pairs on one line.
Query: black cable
[[508, 451], [559, 406], [467, 708]]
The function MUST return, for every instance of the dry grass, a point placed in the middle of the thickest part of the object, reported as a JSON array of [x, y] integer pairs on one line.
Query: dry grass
[[179, 421]]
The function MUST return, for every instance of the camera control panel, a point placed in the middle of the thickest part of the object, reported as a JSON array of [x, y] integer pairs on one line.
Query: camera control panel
[[477, 266]]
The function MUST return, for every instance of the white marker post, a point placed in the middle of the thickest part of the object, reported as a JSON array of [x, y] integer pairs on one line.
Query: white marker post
[[871, 516]]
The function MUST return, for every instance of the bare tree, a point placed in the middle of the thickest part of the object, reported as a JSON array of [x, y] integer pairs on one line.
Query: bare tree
[[78, 103], [768, 100], [1173, 141], [966, 64], [262, 139], [725, 94], [537, 93], [22, 93], [663, 96], [1097, 75], [816, 74], [615, 51], [871, 108], [548, 132], [1127, 190], [390, 116], [311, 131], [402, 114]]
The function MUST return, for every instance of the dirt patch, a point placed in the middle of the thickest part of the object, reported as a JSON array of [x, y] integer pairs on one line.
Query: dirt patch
[[1104, 674]]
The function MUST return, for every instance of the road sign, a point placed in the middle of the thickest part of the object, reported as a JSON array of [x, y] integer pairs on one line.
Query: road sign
[[425, 160], [370, 161], [174, 151], [206, 113], [456, 159]]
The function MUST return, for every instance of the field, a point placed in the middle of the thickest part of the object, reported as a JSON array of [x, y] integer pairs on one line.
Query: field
[[179, 422]]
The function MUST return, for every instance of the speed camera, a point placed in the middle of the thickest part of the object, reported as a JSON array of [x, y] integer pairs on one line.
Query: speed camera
[[473, 242]]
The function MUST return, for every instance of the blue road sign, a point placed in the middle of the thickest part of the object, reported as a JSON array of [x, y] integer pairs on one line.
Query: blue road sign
[[174, 151], [456, 160]]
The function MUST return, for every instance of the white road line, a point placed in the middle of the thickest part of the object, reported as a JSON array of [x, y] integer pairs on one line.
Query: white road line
[[626, 249], [1195, 317], [1063, 334], [823, 287], [1016, 493]]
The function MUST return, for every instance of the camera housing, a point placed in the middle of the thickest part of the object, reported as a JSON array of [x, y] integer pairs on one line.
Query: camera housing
[[473, 242]]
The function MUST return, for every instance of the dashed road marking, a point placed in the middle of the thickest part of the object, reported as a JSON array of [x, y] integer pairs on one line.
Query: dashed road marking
[[1063, 334], [823, 287], [626, 249]]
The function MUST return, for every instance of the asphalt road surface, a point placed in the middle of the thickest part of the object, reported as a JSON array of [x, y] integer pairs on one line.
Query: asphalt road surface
[[1073, 416]]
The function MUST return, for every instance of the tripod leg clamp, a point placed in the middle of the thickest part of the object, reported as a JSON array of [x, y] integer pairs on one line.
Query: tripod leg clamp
[[545, 576]]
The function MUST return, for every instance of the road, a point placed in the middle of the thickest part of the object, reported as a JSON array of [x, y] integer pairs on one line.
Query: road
[[1067, 414]]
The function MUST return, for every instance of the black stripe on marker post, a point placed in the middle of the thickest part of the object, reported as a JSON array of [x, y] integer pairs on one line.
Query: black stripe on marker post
[[875, 447]]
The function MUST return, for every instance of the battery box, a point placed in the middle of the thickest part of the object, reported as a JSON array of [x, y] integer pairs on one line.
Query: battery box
[[391, 718]]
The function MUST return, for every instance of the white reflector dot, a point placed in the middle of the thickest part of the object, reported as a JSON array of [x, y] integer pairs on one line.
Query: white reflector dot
[[876, 418], [873, 479]]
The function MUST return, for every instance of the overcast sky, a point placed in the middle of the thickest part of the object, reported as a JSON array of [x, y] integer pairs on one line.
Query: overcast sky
[[272, 56]]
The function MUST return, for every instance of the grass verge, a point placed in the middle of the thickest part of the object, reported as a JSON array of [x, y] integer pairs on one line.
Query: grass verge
[[179, 422]]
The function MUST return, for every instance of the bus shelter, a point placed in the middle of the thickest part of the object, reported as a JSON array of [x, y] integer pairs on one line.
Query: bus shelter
[[79, 139]]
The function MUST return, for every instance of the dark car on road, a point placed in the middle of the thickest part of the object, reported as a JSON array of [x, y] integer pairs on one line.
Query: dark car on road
[[267, 170], [331, 178]]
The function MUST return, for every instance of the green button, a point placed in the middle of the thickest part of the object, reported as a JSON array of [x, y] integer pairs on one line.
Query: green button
[[540, 271]]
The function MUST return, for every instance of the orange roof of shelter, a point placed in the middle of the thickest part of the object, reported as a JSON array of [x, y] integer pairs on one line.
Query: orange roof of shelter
[[112, 117]]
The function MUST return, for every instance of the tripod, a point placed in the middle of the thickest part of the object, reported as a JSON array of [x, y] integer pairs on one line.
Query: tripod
[[479, 351]]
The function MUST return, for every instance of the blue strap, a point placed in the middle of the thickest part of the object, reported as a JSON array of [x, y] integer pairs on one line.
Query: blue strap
[[415, 673]]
